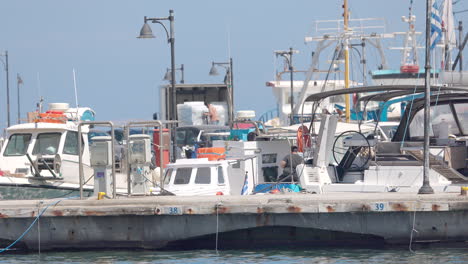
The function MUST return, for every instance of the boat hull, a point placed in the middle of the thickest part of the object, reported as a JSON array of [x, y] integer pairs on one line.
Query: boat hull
[[30, 192]]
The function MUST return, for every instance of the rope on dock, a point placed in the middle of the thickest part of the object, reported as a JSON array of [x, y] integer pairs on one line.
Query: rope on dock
[[412, 231], [34, 222], [217, 225]]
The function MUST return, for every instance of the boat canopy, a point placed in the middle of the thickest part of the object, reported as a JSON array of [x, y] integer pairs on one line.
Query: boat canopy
[[381, 88]]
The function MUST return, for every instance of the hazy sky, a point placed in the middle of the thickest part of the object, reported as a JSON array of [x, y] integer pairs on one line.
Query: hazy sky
[[119, 75]]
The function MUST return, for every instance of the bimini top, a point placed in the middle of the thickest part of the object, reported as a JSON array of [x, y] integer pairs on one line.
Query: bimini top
[[380, 88]]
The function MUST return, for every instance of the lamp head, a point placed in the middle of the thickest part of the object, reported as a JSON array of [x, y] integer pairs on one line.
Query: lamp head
[[213, 70], [168, 75], [146, 31]]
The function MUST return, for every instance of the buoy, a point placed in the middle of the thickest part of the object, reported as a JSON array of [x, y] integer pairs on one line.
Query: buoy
[[274, 191], [409, 68], [219, 193]]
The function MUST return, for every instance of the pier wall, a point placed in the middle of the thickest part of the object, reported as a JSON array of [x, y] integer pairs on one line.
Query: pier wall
[[253, 221]]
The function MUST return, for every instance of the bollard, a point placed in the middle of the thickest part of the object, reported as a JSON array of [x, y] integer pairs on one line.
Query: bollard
[[464, 190], [101, 195]]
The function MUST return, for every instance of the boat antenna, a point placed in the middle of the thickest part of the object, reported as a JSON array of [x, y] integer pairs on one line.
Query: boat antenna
[[76, 93], [41, 99]]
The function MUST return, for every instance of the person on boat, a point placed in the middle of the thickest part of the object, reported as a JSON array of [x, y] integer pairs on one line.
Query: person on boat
[[289, 164], [212, 114]]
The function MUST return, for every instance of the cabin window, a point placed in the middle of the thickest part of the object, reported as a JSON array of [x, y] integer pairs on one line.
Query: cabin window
[[462, 114], [47, 144], [191, 137], [17, 145], [71, 143], [220, 175], [269, 158], [180, 137], [203, 176], [182, 176], [167, 176]]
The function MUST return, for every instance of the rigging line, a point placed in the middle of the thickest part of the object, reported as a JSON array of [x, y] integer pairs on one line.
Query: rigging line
[[335, 53]]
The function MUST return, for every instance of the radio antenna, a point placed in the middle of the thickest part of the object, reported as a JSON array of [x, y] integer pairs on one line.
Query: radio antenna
[[76, 94]]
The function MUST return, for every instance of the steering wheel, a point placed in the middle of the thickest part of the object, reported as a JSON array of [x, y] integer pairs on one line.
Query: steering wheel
[[350, 154]]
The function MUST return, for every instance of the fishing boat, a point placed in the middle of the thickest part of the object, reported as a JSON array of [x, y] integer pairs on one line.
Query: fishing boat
[[40, 159]]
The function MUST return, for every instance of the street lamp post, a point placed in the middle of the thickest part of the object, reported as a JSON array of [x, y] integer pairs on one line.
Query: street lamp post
[[5, 64], [168, 75], [287, 55], [146, 32], [228, 80]]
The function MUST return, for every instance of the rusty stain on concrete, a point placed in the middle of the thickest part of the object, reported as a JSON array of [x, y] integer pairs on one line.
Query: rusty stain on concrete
[[221, 210], [330, 209], [57, 213], [189, 211], [435, 207], [3, 215], [260, 210], [94, 213], [294, 209], [399, 207]]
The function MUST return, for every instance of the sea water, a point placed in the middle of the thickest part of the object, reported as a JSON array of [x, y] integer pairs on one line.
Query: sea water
[[323, 256]]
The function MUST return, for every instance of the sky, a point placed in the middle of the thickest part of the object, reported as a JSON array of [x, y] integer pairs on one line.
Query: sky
[[119, 75]]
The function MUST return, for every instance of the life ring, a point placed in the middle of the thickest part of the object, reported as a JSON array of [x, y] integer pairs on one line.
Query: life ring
[[303, 138]]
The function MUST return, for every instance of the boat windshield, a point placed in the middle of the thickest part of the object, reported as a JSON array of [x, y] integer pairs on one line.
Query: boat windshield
[[17, 145], [442, 119], [167, 176], [47, 144]]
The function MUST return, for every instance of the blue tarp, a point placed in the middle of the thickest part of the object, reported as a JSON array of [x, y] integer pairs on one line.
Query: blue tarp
[[267, 187]]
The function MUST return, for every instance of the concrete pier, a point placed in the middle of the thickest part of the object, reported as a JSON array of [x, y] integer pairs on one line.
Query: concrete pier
[[349, 219]]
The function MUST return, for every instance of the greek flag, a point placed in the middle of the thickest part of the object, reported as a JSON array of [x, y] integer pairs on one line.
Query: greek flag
[[436, 26], [245, 188]]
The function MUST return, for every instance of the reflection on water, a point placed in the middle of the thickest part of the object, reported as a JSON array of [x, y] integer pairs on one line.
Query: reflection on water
[[322, 256]]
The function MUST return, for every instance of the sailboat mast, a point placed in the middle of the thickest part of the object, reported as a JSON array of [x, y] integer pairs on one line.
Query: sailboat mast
[[346, 53], [426, 188]]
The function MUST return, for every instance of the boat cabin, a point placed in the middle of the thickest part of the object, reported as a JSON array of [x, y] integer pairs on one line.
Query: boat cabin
[[43, 150], [203, 177]]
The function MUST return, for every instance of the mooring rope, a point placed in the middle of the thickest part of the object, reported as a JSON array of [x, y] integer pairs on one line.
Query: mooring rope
[[412, 231], [217, 225], [32, 224]]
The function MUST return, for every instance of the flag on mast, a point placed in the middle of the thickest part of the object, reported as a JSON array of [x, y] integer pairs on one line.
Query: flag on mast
[[18, 77], [436, 26]]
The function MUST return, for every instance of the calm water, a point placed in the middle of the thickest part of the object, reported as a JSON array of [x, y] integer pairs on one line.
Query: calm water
[[323, 256]]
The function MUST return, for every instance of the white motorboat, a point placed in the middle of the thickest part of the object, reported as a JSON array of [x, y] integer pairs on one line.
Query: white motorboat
[[40, 159]]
